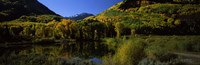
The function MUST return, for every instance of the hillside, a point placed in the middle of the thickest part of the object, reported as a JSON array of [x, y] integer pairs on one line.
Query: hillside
[[13, 9], [155, 18], [148, 19]]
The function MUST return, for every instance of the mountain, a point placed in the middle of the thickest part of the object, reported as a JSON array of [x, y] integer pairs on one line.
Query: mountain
[[148, 17], [13, 9], [80, 16]]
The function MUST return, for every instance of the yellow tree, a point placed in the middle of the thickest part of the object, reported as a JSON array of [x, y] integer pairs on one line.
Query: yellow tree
[[26, 31], [118, 28], [52, 27], [40, 31], [63, 28], [74, 28]]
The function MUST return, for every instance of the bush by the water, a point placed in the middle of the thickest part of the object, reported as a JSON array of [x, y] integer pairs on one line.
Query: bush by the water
[[158, 49]]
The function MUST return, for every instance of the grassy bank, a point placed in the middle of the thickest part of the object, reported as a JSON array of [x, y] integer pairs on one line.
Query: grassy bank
[[156, 50]]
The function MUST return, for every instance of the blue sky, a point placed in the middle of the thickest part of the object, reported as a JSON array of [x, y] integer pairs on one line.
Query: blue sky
[[73, 7]]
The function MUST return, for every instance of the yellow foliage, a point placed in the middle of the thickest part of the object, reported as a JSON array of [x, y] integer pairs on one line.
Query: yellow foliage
[[74, 26], [89, 18], [52, 23], [177, 22], [64, 24], [63, 27], [118, 28], [130, 53]]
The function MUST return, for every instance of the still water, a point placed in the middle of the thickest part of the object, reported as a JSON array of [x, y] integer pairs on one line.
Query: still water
[[70, 53]]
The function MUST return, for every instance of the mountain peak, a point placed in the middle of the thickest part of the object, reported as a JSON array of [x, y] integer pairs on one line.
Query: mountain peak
[[80, 16]]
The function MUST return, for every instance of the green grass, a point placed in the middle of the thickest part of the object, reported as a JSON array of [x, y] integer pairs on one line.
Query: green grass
[[156, 48]]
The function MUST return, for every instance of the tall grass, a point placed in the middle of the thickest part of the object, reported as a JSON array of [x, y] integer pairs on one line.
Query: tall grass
[[130, 52], [156, 49]]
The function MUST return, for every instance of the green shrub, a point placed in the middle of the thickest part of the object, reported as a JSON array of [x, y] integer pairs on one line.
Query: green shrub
[[170, 20], [130, 53], [115, 13], [156, 48], [166, 8], [177, 22], [112, 43]]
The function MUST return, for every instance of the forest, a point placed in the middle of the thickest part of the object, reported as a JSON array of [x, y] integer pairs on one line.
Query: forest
[[131, 32]]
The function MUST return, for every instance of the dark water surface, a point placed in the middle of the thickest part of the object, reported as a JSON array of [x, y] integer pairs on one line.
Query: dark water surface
[[52, 54]]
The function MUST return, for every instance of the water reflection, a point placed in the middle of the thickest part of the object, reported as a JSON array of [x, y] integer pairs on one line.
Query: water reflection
[[57, 54]]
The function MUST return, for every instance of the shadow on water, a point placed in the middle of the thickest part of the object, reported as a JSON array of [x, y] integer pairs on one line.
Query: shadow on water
[[54, 54], [86, 49]]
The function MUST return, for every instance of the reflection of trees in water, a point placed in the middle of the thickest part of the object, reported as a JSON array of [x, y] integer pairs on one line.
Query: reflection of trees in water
[[86, 49], [43, 54]]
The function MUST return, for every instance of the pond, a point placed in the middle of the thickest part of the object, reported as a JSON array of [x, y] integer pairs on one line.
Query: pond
[[69, 53]]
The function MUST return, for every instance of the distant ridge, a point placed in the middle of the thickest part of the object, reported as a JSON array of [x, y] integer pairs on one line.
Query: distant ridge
[[79, 16]]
